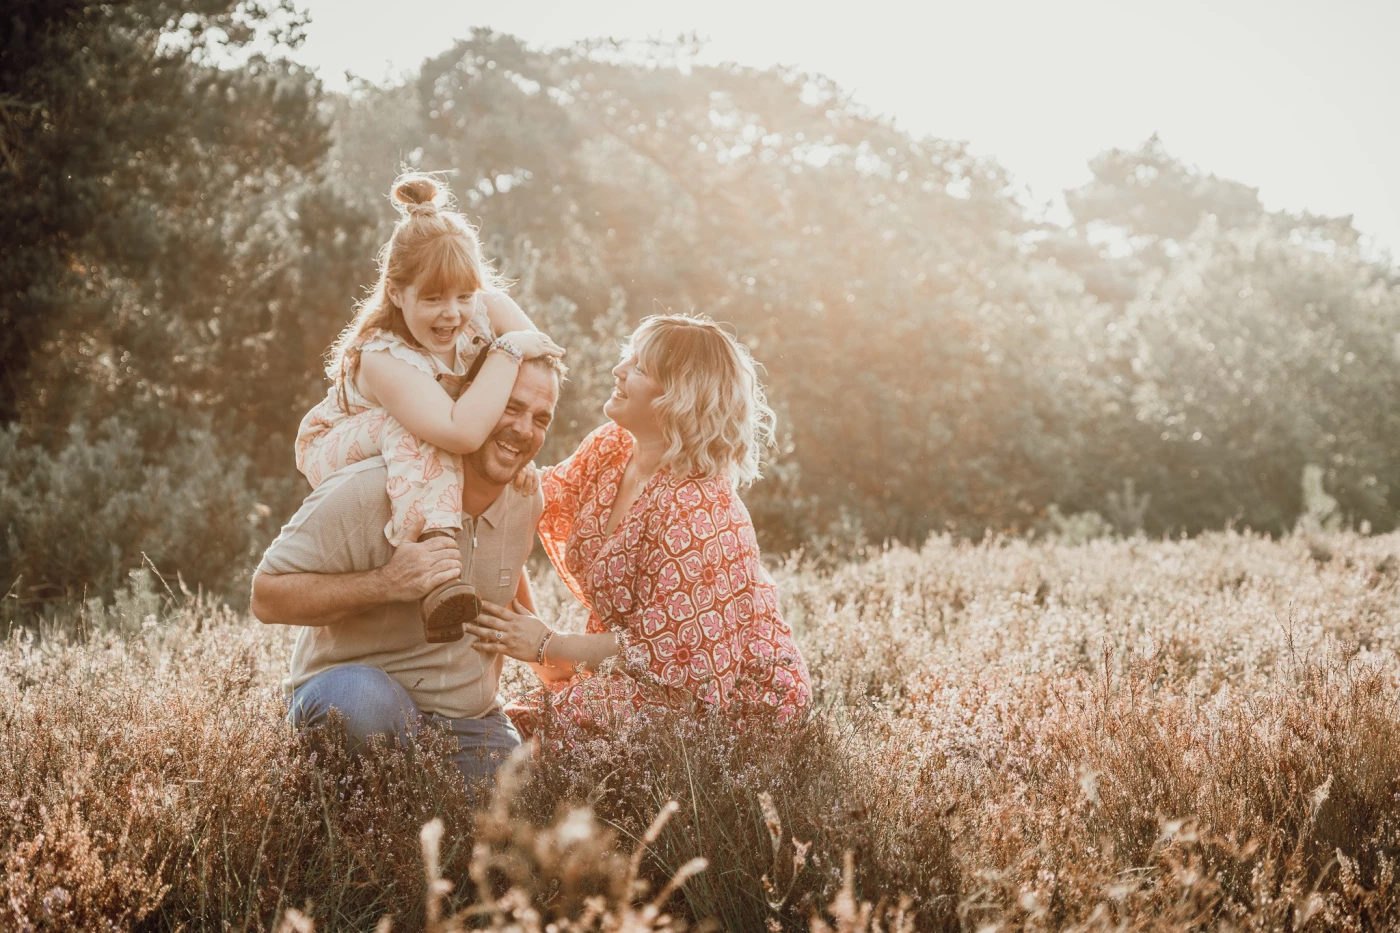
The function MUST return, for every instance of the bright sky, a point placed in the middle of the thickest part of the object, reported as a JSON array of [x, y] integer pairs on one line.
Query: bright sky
[[1298, 98]]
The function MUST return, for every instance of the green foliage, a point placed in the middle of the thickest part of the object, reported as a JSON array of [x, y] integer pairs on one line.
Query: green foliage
[[189, 223], [71, 520], [1265, 349], [134, 171], [173, 262]]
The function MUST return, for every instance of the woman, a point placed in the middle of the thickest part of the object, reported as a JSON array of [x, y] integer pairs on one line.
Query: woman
[[645, 525]]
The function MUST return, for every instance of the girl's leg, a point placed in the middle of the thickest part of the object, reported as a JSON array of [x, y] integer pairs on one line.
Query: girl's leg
[[425, 486], [425, 498], [323, 449]]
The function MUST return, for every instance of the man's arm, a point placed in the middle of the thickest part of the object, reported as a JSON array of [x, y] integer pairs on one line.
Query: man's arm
[[414, 571]]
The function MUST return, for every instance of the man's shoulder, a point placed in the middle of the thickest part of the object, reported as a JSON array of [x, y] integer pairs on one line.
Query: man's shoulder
[[339, 525], [358, 489], [516, 503], [370, 474]]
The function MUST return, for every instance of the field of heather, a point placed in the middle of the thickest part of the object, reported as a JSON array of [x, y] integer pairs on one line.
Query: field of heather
[[1120, 735]]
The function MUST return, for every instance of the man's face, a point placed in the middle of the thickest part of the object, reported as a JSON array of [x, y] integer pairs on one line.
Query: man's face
[[520, 432]]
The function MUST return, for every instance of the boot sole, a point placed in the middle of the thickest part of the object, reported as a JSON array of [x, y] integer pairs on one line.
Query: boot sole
[[445, 620]]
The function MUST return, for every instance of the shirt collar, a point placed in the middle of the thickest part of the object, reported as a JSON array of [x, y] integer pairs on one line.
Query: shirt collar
[[496, 512]]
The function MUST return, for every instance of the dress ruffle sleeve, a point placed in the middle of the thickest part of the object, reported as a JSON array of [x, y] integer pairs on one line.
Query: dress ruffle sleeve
[[399, 349], [563, 486]]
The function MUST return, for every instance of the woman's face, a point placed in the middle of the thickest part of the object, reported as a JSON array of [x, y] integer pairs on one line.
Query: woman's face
[[634, 391], [435, 318]]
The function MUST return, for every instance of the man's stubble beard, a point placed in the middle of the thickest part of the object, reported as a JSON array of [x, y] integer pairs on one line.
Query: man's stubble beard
[[482, 463]]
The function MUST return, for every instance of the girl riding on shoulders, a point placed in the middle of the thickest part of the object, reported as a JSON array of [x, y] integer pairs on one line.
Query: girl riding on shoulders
[[420, 377]]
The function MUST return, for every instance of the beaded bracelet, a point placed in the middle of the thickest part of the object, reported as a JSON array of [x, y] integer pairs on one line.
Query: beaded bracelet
[[509, 349], [544, 643]]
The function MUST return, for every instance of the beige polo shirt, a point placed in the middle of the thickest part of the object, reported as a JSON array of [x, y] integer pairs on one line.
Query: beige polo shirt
[[340, 529]]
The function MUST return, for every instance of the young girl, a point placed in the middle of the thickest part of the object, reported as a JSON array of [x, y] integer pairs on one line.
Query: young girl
[[420, 377]]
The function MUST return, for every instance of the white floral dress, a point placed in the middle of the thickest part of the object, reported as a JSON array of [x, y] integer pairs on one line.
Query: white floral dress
[[425, 482]]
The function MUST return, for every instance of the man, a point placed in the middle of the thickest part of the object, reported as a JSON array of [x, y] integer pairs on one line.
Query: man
[[362, 650]]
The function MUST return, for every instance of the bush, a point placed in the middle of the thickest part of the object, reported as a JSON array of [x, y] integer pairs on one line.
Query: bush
[[77, 519]]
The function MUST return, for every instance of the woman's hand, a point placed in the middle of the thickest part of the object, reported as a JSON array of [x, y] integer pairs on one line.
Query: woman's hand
[[510, 631], [533, 343], [527, 481]]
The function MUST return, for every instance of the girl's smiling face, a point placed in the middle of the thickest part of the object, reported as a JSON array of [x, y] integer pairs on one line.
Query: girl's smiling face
[[436, 317]]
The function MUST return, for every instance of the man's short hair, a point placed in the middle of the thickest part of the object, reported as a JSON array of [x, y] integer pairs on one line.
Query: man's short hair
[[551, 363]]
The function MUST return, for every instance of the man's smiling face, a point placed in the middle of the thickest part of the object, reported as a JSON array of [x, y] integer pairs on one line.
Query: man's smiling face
[[521, 431]]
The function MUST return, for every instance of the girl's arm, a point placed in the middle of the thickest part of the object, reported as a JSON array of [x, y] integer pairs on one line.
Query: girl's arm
[[422, 406], [504, 313]]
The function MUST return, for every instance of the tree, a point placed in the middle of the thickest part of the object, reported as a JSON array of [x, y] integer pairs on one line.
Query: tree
[[870, 271], [168, 252], [1265, 350], [134, 168]]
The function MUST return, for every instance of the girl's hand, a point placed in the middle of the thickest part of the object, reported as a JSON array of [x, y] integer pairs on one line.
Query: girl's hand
[[527, 481], [511, 631], [533, 343]]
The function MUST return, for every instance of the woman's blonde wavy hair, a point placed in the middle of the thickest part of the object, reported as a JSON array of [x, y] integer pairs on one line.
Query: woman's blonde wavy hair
[[433, 247], [713, 413]]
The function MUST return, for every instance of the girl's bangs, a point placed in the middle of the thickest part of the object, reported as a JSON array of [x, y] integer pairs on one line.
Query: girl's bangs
[[448, 266]]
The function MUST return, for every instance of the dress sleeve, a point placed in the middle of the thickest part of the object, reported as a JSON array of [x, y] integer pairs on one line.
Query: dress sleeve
[[399, 349], [564, 486]]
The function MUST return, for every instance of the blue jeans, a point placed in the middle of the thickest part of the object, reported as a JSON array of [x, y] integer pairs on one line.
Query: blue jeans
[[372, 703]]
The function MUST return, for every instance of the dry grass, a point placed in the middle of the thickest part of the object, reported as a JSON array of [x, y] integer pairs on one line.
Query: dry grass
[[1119, 736]]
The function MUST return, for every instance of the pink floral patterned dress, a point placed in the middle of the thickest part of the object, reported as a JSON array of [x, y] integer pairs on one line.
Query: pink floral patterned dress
[[425, 482], [680, 582]]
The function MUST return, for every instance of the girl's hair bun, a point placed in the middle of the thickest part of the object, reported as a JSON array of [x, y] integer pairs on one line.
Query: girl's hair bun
[[416, 194]]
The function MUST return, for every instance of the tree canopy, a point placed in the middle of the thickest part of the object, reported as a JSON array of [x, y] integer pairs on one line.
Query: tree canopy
[[187, 229]]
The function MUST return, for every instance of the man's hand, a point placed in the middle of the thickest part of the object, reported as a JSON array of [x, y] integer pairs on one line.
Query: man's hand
[[419, 567]]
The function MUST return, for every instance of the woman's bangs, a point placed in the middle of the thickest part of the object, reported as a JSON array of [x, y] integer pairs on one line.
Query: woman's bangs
[[448, 267], [654, 351]]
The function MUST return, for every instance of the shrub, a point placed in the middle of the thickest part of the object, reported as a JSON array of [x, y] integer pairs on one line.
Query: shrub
[[1157, 736], [75, 520]]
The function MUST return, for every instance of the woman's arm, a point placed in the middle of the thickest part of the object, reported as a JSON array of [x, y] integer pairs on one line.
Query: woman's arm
[[521, 633], [566, 486]]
